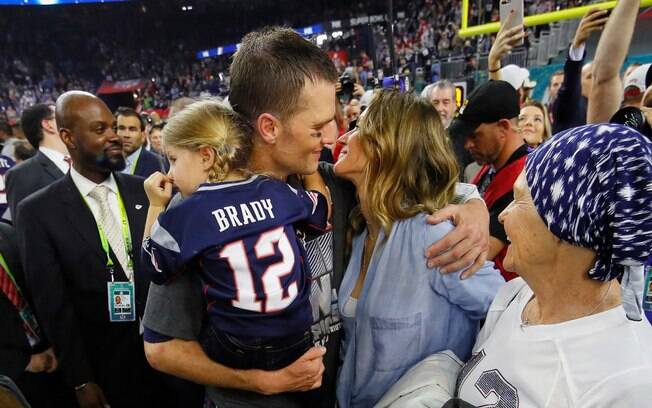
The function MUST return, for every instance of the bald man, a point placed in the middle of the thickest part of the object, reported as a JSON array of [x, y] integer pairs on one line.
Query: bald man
[[77, 239]]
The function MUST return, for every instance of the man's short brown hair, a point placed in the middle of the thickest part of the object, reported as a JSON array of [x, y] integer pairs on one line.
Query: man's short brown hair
[[269, 71]]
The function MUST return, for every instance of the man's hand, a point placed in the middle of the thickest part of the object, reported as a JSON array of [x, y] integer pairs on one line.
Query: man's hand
[[593, 20], [467, 245], [302, 375], [338, 87], [505, 41], [45, 361], [91, 396], [358, 90]]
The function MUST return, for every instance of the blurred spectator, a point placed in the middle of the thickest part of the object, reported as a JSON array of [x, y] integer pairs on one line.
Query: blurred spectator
[[556, 79], [519, 78], [49, 164], [352, 110], [5, 132], [569, 109], [139, 161], [488, 125], [23, 151], [442, 96], [634, 86], [155, 138], [631, 67]]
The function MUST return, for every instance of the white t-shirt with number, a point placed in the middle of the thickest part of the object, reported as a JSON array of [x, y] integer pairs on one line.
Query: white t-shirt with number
[[603, 360]]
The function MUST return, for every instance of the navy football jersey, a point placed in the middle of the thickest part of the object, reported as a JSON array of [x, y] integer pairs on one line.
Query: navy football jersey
[[240, 237]]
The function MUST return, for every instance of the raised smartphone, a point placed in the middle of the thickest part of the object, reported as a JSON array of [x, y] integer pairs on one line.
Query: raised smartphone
[[506, 6]]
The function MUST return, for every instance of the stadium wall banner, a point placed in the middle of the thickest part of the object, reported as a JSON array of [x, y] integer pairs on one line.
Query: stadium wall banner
[[131, 85]]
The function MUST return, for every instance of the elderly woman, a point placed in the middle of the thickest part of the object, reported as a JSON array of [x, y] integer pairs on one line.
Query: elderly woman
[[568, 334], [395, 310], [534, 124]]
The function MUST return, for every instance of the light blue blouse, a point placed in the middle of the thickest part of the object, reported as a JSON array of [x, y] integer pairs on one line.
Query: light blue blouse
[[405, 311]]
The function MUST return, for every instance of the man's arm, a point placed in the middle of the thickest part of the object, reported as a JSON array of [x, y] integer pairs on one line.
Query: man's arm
[[16, 190], [186, 359], [468, 243], [505, 41], [51, 301], [607, 90], [175, 311], [570, 93]]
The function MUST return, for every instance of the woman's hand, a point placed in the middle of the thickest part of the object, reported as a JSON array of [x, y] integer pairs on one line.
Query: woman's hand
[[505, 41], [158, 188], [465, 246]]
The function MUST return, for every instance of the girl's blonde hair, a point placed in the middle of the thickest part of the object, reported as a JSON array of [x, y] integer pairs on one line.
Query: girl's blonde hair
[[412, 167], [210, 123]]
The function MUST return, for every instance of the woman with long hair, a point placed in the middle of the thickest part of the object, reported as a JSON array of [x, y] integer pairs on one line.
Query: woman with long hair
[[395, 310], [534, 123]]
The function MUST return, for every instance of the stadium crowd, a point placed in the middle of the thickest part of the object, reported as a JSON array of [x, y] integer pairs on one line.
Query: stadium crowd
[[424, 34], [297, 232]]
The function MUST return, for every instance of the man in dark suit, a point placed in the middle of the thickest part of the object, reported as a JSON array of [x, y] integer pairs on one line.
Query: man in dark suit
[[139, 161], [570, 108], [47, 166], [79, 239], [26, 358]]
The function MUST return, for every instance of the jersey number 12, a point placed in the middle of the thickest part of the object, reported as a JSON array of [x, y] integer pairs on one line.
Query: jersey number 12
[[275, 300]]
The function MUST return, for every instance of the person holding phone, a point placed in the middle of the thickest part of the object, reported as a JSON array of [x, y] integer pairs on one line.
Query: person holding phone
[[569, 109]]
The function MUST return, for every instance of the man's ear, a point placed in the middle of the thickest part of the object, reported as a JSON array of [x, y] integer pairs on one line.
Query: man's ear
[[48, 126], [67, 139], [505, 125], [269, 127]]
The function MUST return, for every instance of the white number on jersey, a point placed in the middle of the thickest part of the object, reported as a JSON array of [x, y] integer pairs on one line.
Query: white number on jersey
[[274, 300]]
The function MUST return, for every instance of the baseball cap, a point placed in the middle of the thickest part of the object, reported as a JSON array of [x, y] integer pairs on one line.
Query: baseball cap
[[488, 103], [367, 98], [518, 77], [638, 80]]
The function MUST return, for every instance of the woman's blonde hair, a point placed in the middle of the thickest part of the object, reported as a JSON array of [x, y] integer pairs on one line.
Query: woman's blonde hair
[[547, 128], [210, 123], [412, 167]]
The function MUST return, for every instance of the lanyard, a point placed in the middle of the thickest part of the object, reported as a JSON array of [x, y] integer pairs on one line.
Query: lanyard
[[4, 265], [30, 324], [132, 169], [125, 235]]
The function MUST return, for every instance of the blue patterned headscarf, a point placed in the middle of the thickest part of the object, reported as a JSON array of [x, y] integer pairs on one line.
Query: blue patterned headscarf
[[592, 185]]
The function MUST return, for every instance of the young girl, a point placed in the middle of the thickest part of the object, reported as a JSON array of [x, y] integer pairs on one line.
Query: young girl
[[236, 229]]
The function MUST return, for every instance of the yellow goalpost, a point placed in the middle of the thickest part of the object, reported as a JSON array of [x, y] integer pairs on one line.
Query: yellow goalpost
[[538, 19]]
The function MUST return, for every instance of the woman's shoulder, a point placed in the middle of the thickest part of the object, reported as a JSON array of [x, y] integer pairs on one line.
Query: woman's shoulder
[[419, 222], [421, 232]]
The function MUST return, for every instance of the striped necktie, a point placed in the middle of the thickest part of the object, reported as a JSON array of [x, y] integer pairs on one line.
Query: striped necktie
[[112, 228]]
